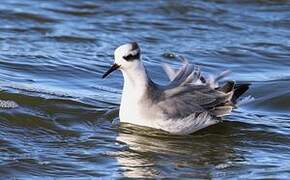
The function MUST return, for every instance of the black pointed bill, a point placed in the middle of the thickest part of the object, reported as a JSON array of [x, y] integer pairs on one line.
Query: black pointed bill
[[113, 68]]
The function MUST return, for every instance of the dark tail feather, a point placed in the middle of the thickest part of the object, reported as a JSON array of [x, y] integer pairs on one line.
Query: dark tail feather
[[228, 87], [235, 90], [239, 89]]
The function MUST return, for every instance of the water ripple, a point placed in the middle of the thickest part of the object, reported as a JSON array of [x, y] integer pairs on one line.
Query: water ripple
[[57, 115]]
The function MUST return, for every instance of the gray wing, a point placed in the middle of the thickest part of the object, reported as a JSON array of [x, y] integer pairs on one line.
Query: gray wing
[[182, 101], [191, 74], [188, 73], [185, 95]]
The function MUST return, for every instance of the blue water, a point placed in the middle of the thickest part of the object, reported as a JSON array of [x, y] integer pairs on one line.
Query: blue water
[[53, 102]]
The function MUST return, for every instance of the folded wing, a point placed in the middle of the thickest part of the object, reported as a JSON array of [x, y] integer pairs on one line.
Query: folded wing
[[190, 93]]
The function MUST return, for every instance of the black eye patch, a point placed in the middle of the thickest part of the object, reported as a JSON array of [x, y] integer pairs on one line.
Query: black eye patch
[[131, 57]]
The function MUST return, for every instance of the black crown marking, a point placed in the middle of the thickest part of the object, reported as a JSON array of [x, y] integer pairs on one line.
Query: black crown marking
[[132, 57]]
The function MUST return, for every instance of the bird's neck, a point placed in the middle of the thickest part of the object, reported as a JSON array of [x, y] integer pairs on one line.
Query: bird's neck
[[135, 88], [135, 81]]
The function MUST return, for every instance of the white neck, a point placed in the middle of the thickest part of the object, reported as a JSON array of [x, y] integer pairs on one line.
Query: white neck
[[135, 84], [135, 81], [134, 106]]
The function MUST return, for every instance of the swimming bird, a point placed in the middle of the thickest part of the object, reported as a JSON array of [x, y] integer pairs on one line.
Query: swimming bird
[[188, 103]]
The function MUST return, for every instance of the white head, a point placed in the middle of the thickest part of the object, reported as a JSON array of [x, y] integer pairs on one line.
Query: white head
[[127, 56]]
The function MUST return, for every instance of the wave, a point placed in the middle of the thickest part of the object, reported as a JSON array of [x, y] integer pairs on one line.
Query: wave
[[71, 38], [8, 104], [28, 16], [273, 96]]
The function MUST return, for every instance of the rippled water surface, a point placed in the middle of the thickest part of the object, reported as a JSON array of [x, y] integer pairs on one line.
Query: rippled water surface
[[54, 104]]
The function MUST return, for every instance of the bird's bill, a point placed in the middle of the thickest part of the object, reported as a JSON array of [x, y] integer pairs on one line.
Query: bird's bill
[[113, 68]]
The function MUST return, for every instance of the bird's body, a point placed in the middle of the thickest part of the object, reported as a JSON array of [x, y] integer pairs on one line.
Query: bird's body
[[188, 103]]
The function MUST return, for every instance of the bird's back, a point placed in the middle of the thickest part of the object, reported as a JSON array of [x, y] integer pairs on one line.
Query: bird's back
[[189, 103]]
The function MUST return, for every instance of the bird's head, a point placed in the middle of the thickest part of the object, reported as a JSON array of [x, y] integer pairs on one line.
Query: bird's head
[[126, 56]]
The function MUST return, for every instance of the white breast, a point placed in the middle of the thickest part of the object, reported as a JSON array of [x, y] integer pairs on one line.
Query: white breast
[[132, 110]]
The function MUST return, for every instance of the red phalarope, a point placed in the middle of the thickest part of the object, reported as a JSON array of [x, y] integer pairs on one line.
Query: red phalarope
[[188, 103]]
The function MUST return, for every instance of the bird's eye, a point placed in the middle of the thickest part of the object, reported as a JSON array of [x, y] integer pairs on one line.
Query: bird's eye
[[132, 57]]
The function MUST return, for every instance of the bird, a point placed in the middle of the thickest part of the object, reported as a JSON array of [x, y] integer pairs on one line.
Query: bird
[[188, 103]]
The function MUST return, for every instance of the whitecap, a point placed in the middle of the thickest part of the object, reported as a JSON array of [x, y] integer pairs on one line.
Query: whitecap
[[7, 104]]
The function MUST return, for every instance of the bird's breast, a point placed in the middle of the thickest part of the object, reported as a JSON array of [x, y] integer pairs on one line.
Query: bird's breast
[[133, 110]]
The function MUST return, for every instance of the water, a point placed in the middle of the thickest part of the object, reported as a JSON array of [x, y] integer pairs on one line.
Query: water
[[53, 102]]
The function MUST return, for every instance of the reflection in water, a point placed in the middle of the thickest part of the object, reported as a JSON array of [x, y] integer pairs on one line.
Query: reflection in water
[[148, 152]]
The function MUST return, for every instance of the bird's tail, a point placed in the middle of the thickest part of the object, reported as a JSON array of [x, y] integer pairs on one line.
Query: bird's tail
[[234, 91], [237, 89]]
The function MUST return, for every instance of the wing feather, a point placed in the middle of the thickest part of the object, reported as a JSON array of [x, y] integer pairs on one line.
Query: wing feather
[[190, 93]]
